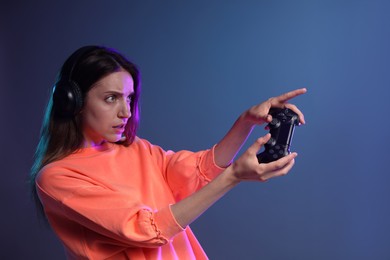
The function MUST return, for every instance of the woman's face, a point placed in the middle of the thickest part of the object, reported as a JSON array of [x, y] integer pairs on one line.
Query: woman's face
[[107, 109]]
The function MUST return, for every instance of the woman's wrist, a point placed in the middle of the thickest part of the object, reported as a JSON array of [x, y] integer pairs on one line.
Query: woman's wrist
[[245, 122], [229, 177]]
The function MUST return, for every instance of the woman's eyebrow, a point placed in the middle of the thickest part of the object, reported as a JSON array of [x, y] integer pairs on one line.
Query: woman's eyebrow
[[118, 93]]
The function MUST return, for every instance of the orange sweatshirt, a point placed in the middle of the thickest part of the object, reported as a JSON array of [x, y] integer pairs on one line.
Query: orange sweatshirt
[[114, 202]]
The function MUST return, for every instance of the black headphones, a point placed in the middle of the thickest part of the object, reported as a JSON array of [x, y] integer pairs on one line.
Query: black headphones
[[67, 95]]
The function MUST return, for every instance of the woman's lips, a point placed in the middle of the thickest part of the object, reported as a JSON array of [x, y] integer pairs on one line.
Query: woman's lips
[[119, 128]]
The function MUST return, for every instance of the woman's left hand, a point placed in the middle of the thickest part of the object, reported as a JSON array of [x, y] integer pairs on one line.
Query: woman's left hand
[[259, 114]]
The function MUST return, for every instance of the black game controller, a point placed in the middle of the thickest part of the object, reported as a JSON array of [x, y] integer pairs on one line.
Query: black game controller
[[281, 129]]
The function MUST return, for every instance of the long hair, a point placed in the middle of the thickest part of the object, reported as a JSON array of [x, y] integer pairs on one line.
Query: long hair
[[61, 136]]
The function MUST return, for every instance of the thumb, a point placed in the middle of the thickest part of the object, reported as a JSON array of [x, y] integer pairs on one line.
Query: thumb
[[255, 147]]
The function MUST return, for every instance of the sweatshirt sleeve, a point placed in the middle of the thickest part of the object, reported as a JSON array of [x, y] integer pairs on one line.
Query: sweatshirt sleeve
[[186, 171], [73, 203]]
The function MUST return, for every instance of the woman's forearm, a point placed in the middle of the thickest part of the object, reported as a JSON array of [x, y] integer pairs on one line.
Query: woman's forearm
[[226, 150], [188, 209]]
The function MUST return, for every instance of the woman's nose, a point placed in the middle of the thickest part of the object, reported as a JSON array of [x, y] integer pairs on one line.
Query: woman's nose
[[124, 111]]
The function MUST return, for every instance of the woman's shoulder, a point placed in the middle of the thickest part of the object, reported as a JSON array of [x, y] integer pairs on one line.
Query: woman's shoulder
[[142, 143]]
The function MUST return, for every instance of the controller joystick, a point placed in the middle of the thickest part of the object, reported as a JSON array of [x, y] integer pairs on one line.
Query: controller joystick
[[274, 123]]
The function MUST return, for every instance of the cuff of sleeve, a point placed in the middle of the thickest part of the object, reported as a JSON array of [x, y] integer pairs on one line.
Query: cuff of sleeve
[[208, 166], [167, 223]]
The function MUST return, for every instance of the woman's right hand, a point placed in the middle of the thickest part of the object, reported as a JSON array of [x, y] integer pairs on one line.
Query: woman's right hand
[[247, 167]]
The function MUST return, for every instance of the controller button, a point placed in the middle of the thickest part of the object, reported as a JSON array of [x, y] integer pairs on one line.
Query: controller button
[[271, 142], [275, 156], [271, 151], [274, 123], [277, 147]]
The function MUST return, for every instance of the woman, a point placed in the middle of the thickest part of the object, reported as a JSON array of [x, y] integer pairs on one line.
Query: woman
[[111, 195]]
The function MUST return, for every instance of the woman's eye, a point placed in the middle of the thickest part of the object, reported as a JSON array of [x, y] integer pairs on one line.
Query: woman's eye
[[130, 98], [111, 99]]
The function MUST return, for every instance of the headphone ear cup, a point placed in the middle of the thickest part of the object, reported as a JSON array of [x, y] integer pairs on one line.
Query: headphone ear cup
[[67, 99], [67, 95]]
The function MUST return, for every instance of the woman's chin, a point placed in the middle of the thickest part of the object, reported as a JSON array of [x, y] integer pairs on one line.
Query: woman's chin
[[117, 138]]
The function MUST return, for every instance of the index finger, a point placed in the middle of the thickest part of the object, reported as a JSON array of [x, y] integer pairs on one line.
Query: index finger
[[289, 95]]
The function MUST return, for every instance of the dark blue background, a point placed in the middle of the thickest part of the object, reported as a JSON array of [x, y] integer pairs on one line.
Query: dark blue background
[[203, 63]]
